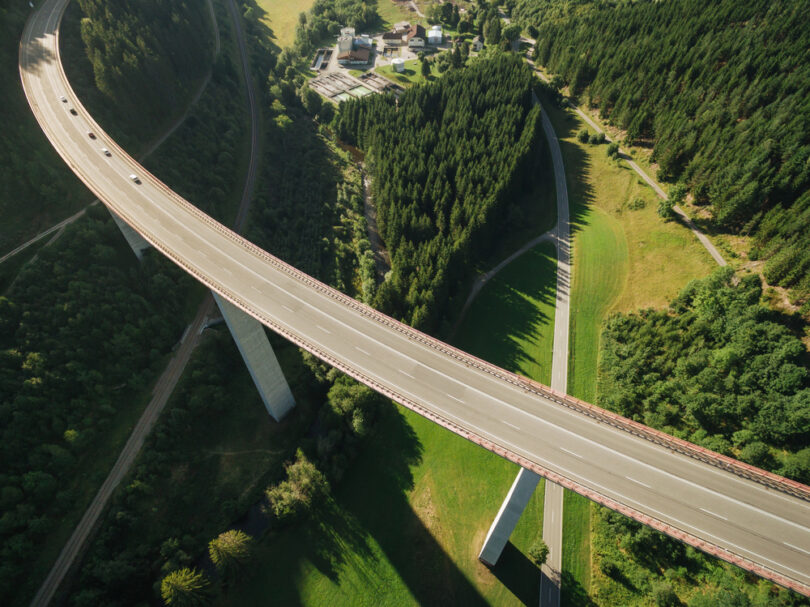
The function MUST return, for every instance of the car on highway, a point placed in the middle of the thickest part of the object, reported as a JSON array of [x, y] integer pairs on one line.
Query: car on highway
[[135, 178], [62, 98], [106, 152], [73, 111], [91, 134]]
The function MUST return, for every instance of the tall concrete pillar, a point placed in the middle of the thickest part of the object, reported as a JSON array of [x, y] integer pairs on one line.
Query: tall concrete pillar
[[137, 243], [508, 516], [261, 361]]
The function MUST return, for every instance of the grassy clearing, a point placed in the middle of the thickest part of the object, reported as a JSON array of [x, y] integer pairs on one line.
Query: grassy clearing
[[406, 524], [411, 75], [281, 16], [393, 12], [512, 321]]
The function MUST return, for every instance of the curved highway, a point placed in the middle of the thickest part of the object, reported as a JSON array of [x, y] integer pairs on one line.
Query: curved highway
[[744, 515]]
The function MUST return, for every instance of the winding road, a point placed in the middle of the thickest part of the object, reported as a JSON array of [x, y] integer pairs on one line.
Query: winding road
[[734, 511]]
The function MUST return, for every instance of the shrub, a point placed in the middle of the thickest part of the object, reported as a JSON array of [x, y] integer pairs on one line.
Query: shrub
[[185, 588], [304, 487], [538, 552], [582, 136], [666, 209], [596, 139]]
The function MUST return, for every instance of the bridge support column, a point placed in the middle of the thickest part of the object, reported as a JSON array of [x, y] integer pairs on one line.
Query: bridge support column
[[137, 243], [508, 516], [261, 361]]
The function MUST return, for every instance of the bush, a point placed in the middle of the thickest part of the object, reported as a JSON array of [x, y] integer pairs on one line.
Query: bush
[[677, 193], [582, 136], [596, 139], [664, 595], [613, 150], [185, 588], [538, 552], [305, 486], [666, 209], [637, 204]]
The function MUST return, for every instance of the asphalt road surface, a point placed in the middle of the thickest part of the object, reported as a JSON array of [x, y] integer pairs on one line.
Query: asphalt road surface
[[551, 571], [724, 512]]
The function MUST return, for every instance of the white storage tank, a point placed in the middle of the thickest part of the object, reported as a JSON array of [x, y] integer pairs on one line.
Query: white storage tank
[[399, 65]]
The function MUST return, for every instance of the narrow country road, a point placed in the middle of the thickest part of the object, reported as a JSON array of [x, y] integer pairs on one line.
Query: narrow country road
[[551, 572], [168, 380]]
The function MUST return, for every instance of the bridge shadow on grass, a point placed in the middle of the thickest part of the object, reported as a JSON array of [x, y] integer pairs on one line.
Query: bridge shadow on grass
[[573, 593], [510, 322], [365, 542], [519, 574]]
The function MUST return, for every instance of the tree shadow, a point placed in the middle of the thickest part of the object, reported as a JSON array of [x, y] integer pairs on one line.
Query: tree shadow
[[577, 167], [35, 55], [519, 574], [507, 301], [368, 514], [573, 593]]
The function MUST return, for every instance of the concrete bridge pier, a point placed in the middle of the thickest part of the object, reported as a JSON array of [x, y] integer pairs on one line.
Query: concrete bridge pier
[[261, 361], [137, 243], [508, 516]]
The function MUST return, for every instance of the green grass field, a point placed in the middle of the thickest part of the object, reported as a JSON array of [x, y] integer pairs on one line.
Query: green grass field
[[391, 12], [411, 75], [406, 524], [281, 16]]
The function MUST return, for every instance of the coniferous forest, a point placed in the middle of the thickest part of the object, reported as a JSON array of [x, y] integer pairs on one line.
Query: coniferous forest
[[447, 161], [721, 90], [144, 54]]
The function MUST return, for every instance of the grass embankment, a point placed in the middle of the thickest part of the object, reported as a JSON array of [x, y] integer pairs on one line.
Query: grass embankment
[[625, 258], [281, 16], [406, 524]]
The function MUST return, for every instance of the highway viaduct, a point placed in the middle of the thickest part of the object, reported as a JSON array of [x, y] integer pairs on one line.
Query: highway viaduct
[[726, 508]]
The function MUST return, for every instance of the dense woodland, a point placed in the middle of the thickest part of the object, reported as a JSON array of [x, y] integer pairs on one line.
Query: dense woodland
[[447, 163], [721, 370], [718, 369], [36, 187], [145, 55], [82, 331], [722, 92], [86, 328]]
